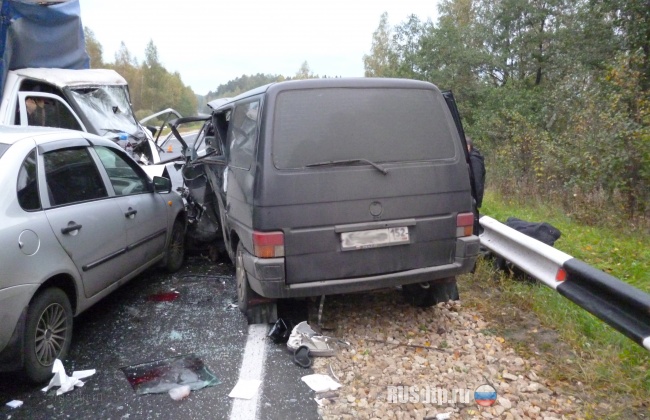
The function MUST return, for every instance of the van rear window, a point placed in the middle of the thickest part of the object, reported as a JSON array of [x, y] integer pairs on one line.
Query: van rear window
[[380, 125]]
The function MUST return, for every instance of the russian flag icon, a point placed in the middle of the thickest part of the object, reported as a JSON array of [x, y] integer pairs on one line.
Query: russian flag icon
[[485, 395]]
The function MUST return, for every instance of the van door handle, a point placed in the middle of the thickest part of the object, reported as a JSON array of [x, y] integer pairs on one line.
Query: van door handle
[[130, 212], [72, 226]]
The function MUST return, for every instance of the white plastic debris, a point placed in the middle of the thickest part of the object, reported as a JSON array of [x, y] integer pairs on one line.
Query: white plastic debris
[[245, 389], [65, 382], [321, 383], [303, 335], [443, 416], [15, 403], [179, 392]]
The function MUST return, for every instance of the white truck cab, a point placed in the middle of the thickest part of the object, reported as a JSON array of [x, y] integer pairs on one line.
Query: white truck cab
[[91, 100]]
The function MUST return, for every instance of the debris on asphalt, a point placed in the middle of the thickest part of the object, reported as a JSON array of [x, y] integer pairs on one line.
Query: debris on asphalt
[[245, 389], [280, 331], [164, 296], [321, 383], [301, 357], [15, 403], [65, 382], [163, 375], [303, 335], [179, 392]]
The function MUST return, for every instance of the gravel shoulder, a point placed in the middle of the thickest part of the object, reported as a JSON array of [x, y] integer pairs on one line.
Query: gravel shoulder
[[412, 363]]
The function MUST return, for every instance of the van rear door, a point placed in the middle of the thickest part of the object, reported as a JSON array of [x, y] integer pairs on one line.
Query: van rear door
[[362, 181]]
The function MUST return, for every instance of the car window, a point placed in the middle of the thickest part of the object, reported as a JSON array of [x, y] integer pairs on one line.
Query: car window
[[49, 112], [72, 176], [28, 183], [124, 178], [3, 148], [242, 135]]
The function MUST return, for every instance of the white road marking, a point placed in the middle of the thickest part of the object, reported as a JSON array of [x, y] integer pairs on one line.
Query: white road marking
[[252, 367]]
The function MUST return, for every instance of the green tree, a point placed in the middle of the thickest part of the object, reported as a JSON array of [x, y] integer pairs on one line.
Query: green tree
[[382, 60], [304, 72], [630, 20], [94, 49], [127, 66], [242, 84], [452, 54], [406, 44]]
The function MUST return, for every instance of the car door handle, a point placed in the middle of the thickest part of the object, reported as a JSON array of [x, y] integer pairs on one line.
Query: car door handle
[[130, 212], [70, 228]]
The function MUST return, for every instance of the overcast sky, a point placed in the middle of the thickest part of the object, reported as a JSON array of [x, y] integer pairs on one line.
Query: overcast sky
[[210, 42]]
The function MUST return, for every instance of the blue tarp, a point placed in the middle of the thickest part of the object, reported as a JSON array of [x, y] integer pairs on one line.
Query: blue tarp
[[35, 35]]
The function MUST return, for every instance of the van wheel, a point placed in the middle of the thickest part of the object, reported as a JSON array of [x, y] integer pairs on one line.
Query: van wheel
[[430, 293], [48, 333], [257, 309]]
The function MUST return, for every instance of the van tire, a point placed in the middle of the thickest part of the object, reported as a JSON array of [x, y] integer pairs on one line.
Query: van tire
[[244, 291], [49, 328], [423, 295], [263, 311]]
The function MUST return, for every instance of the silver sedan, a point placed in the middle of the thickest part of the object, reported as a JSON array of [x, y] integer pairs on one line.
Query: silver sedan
[[78, 218]]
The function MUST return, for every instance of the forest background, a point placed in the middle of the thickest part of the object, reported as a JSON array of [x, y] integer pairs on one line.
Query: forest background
[[555, 94]]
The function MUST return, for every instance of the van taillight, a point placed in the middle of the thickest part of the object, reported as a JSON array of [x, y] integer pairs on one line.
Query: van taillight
[[268, 244], [464, 224]]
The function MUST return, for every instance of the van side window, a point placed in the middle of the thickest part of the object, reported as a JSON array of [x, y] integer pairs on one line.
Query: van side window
[[220, 122], [242, 135]]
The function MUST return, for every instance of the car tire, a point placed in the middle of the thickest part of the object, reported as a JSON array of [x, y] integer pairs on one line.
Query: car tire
[[175, 253], [48, 333], [263, 311], [430, 293]]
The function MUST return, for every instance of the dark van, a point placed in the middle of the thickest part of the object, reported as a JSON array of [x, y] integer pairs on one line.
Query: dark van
[[329, 186]]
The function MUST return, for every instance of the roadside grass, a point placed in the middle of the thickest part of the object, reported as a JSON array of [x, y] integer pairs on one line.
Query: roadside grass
[[613, 367]]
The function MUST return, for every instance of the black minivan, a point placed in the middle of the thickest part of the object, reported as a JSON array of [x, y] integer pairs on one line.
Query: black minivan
[[329, 186]]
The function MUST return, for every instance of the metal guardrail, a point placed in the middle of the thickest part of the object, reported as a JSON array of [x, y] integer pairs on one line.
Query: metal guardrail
[[620, 305]]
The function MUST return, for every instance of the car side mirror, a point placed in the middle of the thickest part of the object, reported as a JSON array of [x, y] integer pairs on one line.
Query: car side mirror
[[153, 130], [162, 184]]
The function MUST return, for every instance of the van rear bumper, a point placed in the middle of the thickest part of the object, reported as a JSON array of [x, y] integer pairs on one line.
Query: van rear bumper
[[267, 275]]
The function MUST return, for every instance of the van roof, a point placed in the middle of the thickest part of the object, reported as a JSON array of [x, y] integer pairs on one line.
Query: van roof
[[340, 82]]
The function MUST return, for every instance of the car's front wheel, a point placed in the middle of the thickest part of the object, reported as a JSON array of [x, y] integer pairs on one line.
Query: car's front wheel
[[48, 333], [176, 250], [432, 292]]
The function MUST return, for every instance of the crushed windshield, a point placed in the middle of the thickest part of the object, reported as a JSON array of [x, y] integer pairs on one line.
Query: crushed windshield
[[107, 109]]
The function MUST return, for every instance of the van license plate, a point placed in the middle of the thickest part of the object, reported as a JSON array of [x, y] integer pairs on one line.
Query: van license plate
[[374, 238]]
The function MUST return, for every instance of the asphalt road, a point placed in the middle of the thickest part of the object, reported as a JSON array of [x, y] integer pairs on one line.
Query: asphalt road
[[158, 316]]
